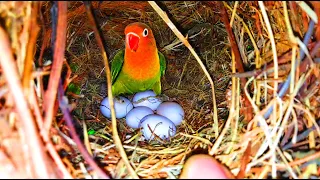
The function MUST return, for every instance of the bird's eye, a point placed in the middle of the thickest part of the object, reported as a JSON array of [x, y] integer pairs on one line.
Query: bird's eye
[[145, 32]]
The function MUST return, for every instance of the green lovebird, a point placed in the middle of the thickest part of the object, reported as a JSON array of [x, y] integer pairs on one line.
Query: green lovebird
[[140, 66]]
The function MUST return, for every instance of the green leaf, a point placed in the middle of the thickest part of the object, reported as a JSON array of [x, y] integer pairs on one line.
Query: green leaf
[[91, 132], [74, 67], [74, 88], [249, 48]]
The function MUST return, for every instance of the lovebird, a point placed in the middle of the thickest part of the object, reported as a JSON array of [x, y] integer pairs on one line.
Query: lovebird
[[140, 66]]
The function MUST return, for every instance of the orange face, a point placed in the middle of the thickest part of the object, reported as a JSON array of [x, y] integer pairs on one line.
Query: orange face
[[138, 35]]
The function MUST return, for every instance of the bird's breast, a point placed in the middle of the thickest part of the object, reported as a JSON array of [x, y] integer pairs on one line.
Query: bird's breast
[[142, 65]]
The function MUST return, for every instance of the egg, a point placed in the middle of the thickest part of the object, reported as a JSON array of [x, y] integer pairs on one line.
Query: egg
[[147, 98], [122, 106], [172, 111], [158, 125], [134, 116]]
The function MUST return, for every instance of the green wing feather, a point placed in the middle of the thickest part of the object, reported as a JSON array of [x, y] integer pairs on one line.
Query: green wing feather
[[163, 65], [116, 65]]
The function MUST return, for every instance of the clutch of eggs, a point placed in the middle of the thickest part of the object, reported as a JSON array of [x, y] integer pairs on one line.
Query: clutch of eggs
[[148, 112]]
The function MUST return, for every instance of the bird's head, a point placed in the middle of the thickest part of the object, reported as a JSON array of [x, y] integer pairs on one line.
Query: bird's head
[[138, 34]]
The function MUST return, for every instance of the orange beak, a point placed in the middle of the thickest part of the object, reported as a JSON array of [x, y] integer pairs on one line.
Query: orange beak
[[133, 41]]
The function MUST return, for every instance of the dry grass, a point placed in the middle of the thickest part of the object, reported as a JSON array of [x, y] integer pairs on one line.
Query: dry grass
[[281, 145]]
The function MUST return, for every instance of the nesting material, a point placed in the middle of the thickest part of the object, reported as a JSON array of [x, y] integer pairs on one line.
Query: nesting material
[[267, 108]]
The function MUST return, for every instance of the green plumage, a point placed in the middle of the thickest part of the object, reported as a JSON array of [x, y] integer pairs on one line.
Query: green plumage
[[122, 83]]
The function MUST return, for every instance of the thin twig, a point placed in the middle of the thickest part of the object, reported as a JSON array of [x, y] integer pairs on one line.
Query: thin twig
[[293, 40], [274, 51], [234, 12], [166, 19], [33, 30], [302, 160], [232, 110], [115, 135]]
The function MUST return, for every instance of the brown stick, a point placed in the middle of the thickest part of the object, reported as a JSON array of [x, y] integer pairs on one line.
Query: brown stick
[[244, 162], [232, 39], [58, 57], [305, 21], [295, 20], [257, 23], [302, 160], [9, 68], [34, 30], [316, 5], [239, 64], [43, 33]]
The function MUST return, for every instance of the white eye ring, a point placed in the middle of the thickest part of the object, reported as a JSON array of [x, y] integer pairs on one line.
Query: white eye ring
[[145, 32]]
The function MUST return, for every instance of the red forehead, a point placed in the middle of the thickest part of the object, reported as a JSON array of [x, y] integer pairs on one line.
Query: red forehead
[[136, 27]]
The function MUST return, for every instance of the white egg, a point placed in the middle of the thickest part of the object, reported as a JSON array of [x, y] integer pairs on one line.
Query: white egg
[[122, 106], [172, 111], [158, 125], [147, 98], [134, 116]]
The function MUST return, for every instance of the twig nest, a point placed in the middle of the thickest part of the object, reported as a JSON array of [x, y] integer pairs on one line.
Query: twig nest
[[146, 98], [154, 125], [172, 111], [134, 116], [122, 106]]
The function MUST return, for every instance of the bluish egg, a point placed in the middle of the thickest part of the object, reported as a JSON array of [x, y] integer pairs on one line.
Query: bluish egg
[[146, 98], [172, 111], [134, 117], [154, 125], [122, 106]]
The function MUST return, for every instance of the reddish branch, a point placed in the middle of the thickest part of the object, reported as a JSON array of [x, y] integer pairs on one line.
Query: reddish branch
[[295, 12], [257, 22], [232, 39], [317, 10], [316, 5], [305, 21], [35, 146], [46, 37], [58, 57], [239, 64], [244, 162]]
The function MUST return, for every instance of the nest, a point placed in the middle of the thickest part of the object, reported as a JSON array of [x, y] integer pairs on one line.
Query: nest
[[247, 77]]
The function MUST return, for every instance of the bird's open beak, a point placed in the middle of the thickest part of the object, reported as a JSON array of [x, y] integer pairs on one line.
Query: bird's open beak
[[133, 41]]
